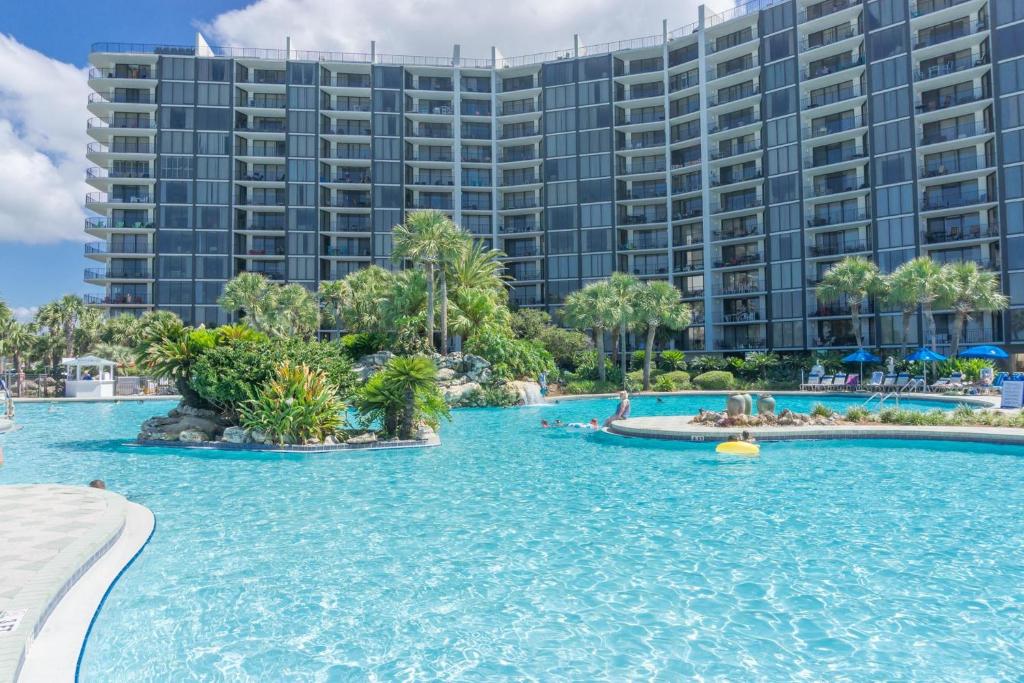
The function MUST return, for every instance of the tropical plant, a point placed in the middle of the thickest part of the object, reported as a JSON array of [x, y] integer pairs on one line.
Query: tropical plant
[[299, 405], [529, 323], [672, 359], [61, 318], [657, 306], [918, 282], [250, 294], [477, 267], [821, 410], [856, 279], [18, 340], [294, 312], [567, 347], [402, 395], [123, 356], [354, 303], [238, 332], [510, 358], [591, 308], [174, 357], [122, 330], [624, 289], [474, 309], [421, 240], [358, 345], [969, 289]]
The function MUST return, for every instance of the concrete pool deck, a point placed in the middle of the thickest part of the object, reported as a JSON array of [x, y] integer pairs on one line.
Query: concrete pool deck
[[681, 428], [61, 548]]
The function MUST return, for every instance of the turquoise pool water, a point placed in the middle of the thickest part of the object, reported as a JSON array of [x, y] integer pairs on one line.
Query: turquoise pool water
[[517, 553]]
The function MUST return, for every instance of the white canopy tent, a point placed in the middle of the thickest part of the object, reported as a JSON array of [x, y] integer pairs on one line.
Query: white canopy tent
[[89, 377]]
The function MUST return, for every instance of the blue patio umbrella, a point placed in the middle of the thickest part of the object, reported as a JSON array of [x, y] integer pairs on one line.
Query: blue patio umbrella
[[861, 356], [984, 351], [924, 355]]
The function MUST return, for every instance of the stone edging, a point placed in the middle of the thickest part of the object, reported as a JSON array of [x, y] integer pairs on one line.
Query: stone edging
[[978, 401], [688, 434], [41, 595], [320, 448]]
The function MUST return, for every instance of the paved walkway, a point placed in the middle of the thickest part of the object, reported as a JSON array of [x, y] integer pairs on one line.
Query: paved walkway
[[680, 428], [49, 537]]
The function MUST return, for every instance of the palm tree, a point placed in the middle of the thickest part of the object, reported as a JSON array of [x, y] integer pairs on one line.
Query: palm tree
[[624, 289], [591, 308], [970, 289], [250, 293], [412, 378], [475, 308], [477, 267], [122, 330], [122, 355], [421, 239], [173, 357], [19, 339], [452, 241], [89, 330], [354, 303], [658, 305], [293, 312], [61, 318], [919, 282], [6, 321], [855, 278]]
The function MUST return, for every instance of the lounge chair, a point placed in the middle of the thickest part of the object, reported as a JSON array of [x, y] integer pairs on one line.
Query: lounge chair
[[812, 382], [941, 384], [889, 382], [876, 380], [838, 382], [902, 380], [852, 382], [826, 381], [956, 378]]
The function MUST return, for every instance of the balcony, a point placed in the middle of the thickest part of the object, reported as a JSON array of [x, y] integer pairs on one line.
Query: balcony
[[116, 300], [827, 37], [639, 244], [753, 230], [120, 97], [348, 81], [523, 252], [519, 228], [840, 248], [650, 270], [742, 344], [511, 133], [733, 123], [119, 147], [739, 204], [923, 7], [118, 198], [831, 96], [735, 150], [348, 128], [641, 219], [515, 204], [937, 203], [953, 132], [519, 180], [122, 122], [513, 108], [838, 66], [836, 218], [740, 288], [935, 103], [951, 66], [961, 233], [510, 157], [841, 125], [837, 310], [127, 72], [357, 153], [361, 252], [834, 157], [732, 178], [741, 317], [739, 260], [428, 204], [256, 102], [433, 180], [347, 202], [840, 186], [645, 193], [823, 9], [938, 168], [118, 274], [116, 172], [932, 37], [717, 99], [525, 273], [359, 106], [99, 248], [263, 151]]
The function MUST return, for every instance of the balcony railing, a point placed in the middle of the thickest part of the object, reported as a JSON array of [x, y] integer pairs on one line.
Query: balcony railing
[[961, 233], [833, 127], [951, 66], [839, 248], [639, 244], [345, 106], [837, 157], [117, 97], [741, 288], [813, 71], [641, 219], [433, 180], [923, 7], [121, 122], [116, 300], [953, 132], [513, 108], [823, 9], [118, 248], [715, 99], [261, 102], [518, 228], [943, 167], [645, 193], [927, 103], [118, 274], [361, 153], [737, 233], [836, 187], [735, 150], [831, 96], [117, 198], [143, 72], [348, 81], [738, 204], [836, 218], [512, 204], [346, 251], [99, 172], [422, 204], [933, 203], [937, 37], [739, 260], [733, 178], [828, 37]]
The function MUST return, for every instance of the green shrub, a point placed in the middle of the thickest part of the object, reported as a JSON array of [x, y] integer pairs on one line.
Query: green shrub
[[529, 323], [672, 359], [970, 367], [702, 364], [858, 414], [565, 346], [821, 410], [679, 378], [664, 383], [355, 346], [510, 358], [715, 380], [590, 386], [636, 360], [297, 406]]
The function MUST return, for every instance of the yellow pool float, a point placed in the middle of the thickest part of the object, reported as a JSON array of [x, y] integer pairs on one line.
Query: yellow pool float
[[738, 448]]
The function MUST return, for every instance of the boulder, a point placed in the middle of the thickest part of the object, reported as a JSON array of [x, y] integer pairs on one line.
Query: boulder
[[425, 432], [368, 437], [330, 441], [445, 374], [529, 392], [375, 360], [193, 436], [453, 394], [236, 435], [196, 412]]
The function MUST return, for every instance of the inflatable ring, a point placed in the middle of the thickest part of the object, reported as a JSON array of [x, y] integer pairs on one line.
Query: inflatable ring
[[737, 448]]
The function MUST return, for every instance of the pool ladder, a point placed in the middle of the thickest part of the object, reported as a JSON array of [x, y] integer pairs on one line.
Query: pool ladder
[[894, 394]]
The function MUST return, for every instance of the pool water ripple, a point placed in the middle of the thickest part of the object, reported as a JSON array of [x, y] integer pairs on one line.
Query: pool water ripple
[[515, 552]]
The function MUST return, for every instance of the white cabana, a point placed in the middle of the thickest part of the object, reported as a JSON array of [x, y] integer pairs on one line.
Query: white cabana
[[89, 377]]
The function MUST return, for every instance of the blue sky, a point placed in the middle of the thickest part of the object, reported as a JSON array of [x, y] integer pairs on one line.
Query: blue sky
[[44, 47]]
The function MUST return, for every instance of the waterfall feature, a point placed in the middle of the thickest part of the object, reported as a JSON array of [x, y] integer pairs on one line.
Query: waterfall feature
[[529, 393]]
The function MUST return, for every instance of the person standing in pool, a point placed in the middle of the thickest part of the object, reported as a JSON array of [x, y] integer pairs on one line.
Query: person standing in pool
[[622, 412]]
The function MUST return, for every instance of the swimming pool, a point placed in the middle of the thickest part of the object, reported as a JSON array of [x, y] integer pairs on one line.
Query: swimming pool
[[515, 552]]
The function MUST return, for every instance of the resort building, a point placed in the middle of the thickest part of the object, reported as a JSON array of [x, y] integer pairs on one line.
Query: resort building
[[737, 157]]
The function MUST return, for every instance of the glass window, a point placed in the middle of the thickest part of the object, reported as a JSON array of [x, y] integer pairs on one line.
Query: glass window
[[888, 43]]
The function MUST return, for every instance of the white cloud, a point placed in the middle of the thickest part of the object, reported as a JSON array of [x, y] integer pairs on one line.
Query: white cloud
[[42, 146], [432, 27], [24, 314]]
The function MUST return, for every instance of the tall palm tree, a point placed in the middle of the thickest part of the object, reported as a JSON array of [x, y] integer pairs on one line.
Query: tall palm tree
[[19, 340], [918, 282], [6, 321], [624, 289], [478, 267], [89, 329], [61, 318], [658, 305], [452, 241], [122, 330], [354, 303], [592, 308], [473, 309], [420, 240], [854, 278], [250, 293], [970, 289]]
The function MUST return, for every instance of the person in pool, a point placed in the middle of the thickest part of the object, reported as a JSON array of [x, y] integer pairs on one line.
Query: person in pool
[[622, 412], [585, 425], [544, 424]]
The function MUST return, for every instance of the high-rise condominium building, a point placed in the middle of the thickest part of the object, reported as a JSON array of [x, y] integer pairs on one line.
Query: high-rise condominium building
[[737, 157]]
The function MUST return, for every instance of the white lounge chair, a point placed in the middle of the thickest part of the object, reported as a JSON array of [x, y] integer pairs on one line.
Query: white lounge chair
[[812, 382], [876, 380]]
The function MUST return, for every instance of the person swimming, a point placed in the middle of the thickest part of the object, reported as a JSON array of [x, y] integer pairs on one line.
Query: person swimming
[[544, 424], [585, 425]]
